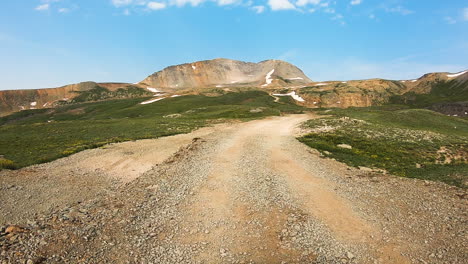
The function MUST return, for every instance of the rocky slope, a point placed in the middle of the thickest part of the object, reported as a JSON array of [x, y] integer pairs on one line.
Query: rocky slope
[[17, 100], [434, 87], [225, 73]]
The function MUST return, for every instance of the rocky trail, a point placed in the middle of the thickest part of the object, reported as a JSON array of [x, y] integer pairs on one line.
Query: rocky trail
[[235, 193]]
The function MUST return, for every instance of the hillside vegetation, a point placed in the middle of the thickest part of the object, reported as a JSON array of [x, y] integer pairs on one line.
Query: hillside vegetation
[[414, 143], [441, 92], [36, 136]]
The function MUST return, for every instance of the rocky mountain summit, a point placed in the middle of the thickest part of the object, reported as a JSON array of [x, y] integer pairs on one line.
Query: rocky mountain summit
[[226, 72]]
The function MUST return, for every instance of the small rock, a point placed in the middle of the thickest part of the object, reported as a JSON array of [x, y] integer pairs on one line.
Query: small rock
[[14, 229], [345, 146], [349, 255], [365, 169]]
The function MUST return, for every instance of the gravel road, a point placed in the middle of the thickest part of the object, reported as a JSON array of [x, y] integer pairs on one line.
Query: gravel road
[[246, 193]]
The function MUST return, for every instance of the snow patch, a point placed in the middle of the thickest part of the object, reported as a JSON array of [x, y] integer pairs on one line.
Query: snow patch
[[414, 80], [175, 95], [320, 84], [344, 82], [403, 81], [295, 78], [33, 103], [44, 105], [293, 95], [151, 101], [234, 81], [268, 79], [154, 90], [218, 86], [456, 74], [194, 67]]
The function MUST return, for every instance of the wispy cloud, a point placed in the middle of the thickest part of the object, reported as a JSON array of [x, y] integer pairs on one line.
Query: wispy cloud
[[180, 3], [258, 9], [307, 2], [156, 5], [56, 5], [465, 13], [42, 7], [356, 2], [277, 5], [119, 3], [400, 10]]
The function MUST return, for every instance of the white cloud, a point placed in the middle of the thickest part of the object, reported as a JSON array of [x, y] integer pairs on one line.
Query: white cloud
[[356, 2], [226, 2], [372, 16], [156, 5], [63, 10], [307, 2], [121, 2], [42, 7], [180, 3], [465, 14], [258, 9], [276, 5]]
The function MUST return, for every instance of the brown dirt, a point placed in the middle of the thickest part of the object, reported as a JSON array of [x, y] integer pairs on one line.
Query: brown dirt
[[243, 193]]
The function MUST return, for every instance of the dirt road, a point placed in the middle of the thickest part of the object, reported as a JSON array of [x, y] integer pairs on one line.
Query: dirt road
[[251, 193]]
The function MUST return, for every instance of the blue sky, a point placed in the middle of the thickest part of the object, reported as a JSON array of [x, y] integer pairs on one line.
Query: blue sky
[[49, 43]]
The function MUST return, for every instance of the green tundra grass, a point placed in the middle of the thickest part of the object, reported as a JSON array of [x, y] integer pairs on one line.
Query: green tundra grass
[[413, 143], [37, 136]]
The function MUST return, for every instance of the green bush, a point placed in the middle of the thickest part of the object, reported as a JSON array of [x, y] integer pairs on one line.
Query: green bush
[[7, 164]]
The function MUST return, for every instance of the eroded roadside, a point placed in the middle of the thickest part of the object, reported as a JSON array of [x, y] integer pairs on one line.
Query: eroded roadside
[[39, 188]]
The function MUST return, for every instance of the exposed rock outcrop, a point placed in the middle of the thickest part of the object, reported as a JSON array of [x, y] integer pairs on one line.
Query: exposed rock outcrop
[[16, 100], [225, 73], [364, 93]]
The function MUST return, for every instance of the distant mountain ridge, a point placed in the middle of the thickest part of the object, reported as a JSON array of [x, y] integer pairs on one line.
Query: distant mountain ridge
[[274, 76], [17, 100]]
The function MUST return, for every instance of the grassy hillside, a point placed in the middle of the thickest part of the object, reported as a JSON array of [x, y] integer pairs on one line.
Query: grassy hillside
[[442, 92], [35, 136], [413, 143], [99, 93]]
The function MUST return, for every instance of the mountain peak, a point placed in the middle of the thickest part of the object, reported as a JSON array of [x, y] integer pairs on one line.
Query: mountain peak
[[222, 72]]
